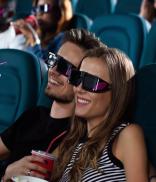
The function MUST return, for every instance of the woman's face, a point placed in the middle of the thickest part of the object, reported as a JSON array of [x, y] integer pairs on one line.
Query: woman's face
[[89, 105], [46, 20]]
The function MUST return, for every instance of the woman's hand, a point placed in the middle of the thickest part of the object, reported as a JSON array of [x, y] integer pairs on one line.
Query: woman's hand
[[27, 30], [25, 166]]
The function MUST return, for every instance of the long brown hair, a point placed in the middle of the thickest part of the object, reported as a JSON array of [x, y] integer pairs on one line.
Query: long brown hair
[[120, 71]]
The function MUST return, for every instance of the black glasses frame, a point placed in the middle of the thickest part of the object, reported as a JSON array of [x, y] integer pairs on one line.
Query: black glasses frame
[[63, 66], [89, 82], [44, 8]]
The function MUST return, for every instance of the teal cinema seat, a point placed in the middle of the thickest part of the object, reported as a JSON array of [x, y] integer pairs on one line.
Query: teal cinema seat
[[149, 52], [94, 8], [125, 32], [82, 21], [128, 6], [144, 110], [20, 81]]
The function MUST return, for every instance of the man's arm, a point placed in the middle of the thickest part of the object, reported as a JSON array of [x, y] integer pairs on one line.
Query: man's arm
[[4, 151]]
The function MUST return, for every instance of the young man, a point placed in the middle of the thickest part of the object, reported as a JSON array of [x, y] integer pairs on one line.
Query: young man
[[37, 127]]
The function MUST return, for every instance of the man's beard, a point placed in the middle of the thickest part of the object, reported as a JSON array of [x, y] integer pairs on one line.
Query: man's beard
[[60, 99]]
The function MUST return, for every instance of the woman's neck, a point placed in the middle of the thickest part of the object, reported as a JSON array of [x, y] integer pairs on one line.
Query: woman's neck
[[46, 38], [93, 123], [62, 110]]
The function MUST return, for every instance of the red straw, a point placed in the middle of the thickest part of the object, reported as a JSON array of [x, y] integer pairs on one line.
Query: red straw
[[53, 140]]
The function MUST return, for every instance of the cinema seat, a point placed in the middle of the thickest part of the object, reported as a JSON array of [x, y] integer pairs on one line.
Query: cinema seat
[[20, 81], [125, 32]]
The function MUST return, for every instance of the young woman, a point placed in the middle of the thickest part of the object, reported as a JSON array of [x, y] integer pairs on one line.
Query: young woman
[[101, 145]]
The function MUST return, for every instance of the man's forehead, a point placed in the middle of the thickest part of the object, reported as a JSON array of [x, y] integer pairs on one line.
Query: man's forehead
[[71, 52]]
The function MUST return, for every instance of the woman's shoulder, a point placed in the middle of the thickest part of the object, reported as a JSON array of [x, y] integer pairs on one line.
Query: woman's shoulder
[[132, 136], [130, 143], [130, 131]]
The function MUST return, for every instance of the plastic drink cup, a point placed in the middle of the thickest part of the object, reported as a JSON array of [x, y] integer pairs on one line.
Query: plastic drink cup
[[48, 164]]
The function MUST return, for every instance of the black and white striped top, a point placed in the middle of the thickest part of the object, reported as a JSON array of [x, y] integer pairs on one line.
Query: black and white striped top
[[110, 169]]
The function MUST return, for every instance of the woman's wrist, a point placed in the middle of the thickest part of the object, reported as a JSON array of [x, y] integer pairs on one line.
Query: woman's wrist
[[34, 35]]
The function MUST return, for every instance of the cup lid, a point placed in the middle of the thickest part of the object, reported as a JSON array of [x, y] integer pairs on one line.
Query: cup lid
[[27, 179], [44, 154]]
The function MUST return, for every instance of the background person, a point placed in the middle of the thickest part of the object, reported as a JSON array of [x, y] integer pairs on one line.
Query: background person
[[54, 17], [148, 10]]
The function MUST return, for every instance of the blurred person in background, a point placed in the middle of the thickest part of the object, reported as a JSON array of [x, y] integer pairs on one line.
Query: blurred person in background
[[43, 31], [10, 34], [148, 10], [7, 32], [54, 17]]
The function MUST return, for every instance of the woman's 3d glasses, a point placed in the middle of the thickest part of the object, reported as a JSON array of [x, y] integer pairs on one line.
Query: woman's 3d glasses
[[44, 8], [62, 65], [89, 82]]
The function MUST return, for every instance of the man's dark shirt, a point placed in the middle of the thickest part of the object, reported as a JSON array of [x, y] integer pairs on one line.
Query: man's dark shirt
[[33, 130]]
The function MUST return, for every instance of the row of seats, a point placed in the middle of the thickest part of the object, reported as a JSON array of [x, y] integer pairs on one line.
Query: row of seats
[[125, 32], [92, 8], [129, 33], [96, 8]]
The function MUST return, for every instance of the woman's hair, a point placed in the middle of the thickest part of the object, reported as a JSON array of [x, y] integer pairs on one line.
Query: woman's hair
[[63, 10], [82, 38], [120, 72]]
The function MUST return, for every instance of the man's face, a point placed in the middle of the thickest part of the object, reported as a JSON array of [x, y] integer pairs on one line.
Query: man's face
[[58, 86]]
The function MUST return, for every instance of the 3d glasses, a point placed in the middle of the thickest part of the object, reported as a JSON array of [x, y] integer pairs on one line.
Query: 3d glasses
[[63, 66], [89, 82], [44, 8]]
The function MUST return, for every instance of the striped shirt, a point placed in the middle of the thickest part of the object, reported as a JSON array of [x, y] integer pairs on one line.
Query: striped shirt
[[110, 169]]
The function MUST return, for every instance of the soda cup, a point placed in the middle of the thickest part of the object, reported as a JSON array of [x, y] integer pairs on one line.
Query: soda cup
[[48, 164]]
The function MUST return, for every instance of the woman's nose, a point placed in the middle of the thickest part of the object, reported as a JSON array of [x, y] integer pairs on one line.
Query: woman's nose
[[79, 88]]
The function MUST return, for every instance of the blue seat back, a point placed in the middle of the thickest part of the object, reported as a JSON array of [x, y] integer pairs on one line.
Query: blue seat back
[[126, 6], [144, 106], [149, 52], [82, 21], [74, 4], [94, 8], [23, 8], [20, 81], [125, 32]]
